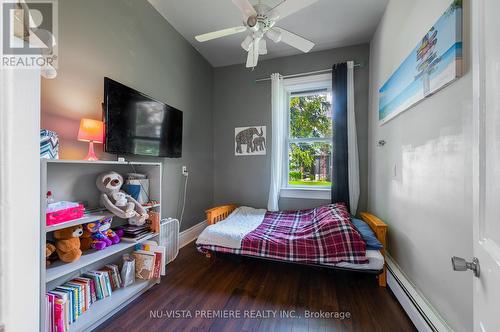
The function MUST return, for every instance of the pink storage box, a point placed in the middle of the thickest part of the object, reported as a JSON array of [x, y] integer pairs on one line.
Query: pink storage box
[[63, 211]]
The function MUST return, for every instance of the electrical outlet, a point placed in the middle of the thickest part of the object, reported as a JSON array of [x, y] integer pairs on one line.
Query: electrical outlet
[[184, 170]]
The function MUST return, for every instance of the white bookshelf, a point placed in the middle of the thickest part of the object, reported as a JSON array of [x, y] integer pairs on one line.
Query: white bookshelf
[[74, 180]]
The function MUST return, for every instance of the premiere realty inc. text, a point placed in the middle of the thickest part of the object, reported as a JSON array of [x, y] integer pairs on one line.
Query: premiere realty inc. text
[[248, 314]]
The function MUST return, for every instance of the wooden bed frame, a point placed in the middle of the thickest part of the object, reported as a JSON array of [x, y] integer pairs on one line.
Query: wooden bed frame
[[379, 227]]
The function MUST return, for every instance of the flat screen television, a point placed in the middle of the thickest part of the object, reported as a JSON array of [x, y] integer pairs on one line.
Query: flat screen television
[[138, 124]]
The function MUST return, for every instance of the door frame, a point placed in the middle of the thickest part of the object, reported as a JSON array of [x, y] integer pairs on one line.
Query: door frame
[[20, 248], [479, 151]]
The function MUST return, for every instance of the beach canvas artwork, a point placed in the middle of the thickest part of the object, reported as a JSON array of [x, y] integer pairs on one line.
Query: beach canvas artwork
[[433, 64]]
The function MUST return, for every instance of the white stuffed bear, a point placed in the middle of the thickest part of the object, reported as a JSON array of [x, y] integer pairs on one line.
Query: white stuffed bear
[[118, 202]]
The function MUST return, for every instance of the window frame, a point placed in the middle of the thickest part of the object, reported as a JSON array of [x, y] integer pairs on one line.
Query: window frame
[[305, 84]]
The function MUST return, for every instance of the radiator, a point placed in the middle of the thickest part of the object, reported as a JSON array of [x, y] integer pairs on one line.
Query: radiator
[[169, 237]]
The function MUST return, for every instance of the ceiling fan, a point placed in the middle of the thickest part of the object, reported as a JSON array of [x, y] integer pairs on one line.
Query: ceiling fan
[[259, 21]]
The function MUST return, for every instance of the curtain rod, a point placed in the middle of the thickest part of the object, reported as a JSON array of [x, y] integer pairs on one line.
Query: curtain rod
[[304, 74]]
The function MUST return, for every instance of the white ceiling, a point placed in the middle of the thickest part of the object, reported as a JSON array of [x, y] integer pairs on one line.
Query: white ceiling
[[327, 23]]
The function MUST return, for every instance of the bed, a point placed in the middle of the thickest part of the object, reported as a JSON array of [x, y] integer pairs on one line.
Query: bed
[[267, 235]]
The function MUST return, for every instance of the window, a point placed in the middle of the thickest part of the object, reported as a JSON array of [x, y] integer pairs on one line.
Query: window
[[308, 137]]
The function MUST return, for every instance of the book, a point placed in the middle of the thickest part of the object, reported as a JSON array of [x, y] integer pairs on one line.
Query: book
[[82, 292], [115, 274], [51, 316], [105, 282], [110, 277], [144, 264], [70, 302], [80, 296], [59, 315], [48, 326], [157, 265], [91, 287], [97, 285], [153, 246], [136, 238], [85, 282], [64, 297], [74, 300]]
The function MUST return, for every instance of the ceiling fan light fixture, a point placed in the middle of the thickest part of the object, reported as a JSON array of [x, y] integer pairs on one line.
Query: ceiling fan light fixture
[[252, 21], [274, 35], [246, 43]]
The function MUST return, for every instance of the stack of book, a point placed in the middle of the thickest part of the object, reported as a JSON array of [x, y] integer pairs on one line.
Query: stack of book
[[149, 260], [133, 233], [67, 302]]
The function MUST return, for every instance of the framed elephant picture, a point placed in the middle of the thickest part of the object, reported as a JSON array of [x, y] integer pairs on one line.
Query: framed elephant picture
[[250, 141]]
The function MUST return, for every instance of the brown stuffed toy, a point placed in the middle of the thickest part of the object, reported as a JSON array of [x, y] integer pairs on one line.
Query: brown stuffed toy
[[49, 250], [68, 243]]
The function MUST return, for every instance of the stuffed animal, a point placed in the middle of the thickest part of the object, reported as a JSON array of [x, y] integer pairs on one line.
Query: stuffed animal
[[105, 229], [68, 243], [92, 238], [121, 200], [98, 235], [109, 185], [49, 250]]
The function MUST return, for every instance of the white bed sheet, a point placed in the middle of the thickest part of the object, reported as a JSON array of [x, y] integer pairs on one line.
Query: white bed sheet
[[375, 262], [230, 232]]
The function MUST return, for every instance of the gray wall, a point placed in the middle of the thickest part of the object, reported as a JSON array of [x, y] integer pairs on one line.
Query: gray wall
[[239, 102], [129, 41], [427, 201]]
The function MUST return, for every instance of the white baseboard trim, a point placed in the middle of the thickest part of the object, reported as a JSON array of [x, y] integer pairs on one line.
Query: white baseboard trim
[[421, 312], [189, 235]]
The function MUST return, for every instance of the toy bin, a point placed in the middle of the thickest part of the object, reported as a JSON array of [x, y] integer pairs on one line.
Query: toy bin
[[63, 211]]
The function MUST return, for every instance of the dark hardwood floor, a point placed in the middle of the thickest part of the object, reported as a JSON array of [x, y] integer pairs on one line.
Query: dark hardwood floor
[[196, 287]]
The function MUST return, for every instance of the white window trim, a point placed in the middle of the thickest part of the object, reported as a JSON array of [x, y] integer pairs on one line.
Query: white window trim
[[293, 85], [307, 193]]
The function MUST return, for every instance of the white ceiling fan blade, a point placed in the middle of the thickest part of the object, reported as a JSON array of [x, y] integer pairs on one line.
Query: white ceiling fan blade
[[221, 33], [288, 7], [253, 53], [262, 47], [295, 40], [246, 8]]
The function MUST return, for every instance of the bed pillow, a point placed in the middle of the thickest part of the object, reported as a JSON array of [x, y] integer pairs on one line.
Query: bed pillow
[[372, 243]]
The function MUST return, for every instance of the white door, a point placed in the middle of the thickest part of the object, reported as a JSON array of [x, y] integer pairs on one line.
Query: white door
[[486, 154]]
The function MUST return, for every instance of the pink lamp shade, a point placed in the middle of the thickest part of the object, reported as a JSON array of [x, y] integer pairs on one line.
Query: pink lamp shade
[[91, 131]]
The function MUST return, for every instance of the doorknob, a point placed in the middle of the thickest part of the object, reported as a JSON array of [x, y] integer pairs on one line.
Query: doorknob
[[460, 264]]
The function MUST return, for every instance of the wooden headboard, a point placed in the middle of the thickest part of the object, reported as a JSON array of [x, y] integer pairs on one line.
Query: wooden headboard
[[380, 229], [219, 213]]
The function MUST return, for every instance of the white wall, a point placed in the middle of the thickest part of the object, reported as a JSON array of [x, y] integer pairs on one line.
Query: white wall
[[420, 181]]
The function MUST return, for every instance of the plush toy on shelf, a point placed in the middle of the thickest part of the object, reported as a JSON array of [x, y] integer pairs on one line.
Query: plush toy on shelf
[[105, 229], [98, 235], [118, 202], [68, 243], [49, 250]]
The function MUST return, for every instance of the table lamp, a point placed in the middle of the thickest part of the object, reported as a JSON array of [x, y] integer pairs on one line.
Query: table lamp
[[91, 131]]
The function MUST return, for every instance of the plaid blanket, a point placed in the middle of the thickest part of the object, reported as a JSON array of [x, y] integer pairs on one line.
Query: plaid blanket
[[324, 235]]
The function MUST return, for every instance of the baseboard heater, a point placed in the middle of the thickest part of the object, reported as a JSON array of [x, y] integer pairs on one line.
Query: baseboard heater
[[420, 311]]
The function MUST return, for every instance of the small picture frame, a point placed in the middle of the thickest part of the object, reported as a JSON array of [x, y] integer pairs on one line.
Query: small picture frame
[[250, 141]]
